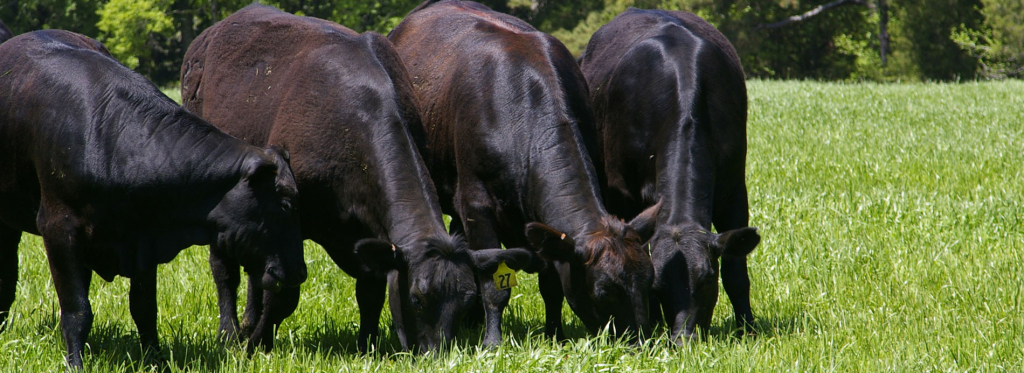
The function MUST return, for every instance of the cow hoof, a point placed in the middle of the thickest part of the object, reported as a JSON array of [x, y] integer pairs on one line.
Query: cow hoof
[[154, 357], [742, 333]]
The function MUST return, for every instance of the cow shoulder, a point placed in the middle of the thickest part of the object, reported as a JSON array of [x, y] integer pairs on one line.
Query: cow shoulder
[[401, 82]]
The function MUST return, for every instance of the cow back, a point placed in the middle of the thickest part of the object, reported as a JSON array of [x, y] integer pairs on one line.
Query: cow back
[[650, 73], [80, 131], [113, 126], [503, 101], [339, 101]]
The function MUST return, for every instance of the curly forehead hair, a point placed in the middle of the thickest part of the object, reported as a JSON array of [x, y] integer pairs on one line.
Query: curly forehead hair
[[613, 243]]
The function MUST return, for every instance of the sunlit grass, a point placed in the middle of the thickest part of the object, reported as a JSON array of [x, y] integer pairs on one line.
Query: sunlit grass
[[173, 91], [893, 240]]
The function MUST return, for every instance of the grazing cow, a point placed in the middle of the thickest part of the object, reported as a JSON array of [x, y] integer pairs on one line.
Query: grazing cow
[[500, 104], [117, 178], [5, 33], [670, 105], [342, 104]]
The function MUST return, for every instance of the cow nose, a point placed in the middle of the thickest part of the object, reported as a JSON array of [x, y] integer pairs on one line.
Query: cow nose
[[277, 278]]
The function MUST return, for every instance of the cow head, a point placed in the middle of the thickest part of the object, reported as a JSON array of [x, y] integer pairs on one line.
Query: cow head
[[606, 274], [686, 272], [432, 284], [257, 222]]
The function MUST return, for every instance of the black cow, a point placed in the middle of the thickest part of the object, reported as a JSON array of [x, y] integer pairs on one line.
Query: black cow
[[500, 104], [5, 33], [117, 178], [341, 102], [670, 105]]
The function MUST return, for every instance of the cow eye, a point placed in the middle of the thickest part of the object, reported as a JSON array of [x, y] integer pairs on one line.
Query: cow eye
[[286, 205], [418, 300]]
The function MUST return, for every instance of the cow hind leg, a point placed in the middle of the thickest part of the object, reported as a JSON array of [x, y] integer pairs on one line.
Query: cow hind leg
[[9, 239], [71, 280], [735, 278]]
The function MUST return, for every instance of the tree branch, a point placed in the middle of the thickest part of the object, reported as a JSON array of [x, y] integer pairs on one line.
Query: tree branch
[[811, 13]]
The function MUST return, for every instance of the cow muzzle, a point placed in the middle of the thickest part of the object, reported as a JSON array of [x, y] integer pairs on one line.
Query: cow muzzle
[[276, 277]]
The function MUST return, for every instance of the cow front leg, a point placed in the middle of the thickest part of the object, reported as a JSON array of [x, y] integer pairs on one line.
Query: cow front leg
[[9, 239], [71, 280], [551, 291], [370, 294], [734, 214], [226, 277], [736, 282], [142, 303], [495, 301], [654, 308], [479, 219], [253, 312]]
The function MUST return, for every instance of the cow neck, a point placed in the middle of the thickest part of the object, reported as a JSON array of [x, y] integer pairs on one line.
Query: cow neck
[[686, 178], [565, 183], [161, 146], [407, 196]]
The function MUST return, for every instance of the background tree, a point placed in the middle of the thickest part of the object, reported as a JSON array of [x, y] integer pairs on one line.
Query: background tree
[[881, 40], [928, 25], [73, 15], [998, 44], [135, 31]]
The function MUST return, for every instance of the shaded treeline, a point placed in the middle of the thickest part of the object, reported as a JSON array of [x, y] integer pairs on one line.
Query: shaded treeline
[[824, 39]]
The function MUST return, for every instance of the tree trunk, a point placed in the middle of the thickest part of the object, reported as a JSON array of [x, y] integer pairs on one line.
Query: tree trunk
[[883, 30]]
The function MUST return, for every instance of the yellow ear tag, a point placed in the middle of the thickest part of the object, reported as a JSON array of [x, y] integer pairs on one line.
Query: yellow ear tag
[[504, 277]]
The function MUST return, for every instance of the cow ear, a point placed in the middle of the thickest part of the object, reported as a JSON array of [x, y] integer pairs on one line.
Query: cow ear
[[378, 255], [274, 149], [738, 242], [487, 261], [260, 168], [645, 223], [550, 243]]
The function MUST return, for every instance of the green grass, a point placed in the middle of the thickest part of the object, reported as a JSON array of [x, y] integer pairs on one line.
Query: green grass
[[893, 240], [173, 91]]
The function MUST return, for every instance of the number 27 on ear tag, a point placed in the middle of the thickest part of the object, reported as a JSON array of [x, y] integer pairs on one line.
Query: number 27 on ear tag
[[504, 277]]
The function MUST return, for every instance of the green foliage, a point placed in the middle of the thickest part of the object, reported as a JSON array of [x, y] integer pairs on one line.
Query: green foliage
[[893, 240], [843, 43], [802, 50], [130, 25], [944, 40], [999, 43], [22, 16], [577, 38], [928, 25]]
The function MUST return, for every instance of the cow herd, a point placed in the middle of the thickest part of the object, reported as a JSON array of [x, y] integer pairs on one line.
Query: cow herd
[[296, 128]]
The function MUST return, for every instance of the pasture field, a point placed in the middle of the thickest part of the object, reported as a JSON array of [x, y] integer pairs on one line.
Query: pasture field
[[891, 218]]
